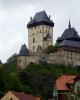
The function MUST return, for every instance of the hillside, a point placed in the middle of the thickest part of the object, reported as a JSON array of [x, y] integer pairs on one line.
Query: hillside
[[36, 79]]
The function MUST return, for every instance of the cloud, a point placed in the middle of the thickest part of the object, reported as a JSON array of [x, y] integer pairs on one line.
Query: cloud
[[15, 14]]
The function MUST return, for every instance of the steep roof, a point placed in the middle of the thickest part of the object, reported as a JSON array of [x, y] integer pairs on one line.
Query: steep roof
[[69, 33], [62, 81], [24, 51], [40, 17], [69, 44], [23, 96], [47, 36]]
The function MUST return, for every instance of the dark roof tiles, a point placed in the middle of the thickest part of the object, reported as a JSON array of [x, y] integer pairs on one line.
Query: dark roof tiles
[[23, 96], [69, 33], [41, 17], [24, 51], [70, 43]]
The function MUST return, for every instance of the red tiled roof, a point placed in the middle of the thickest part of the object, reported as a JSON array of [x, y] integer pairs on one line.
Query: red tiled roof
[[23, 96], [62, 81], [38, 98]]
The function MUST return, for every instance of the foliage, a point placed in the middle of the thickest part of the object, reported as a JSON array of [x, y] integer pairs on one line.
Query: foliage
[[52, 49], [11, 66], [36, 79]]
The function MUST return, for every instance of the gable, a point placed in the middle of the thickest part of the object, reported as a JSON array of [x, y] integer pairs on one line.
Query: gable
[[8, 96]]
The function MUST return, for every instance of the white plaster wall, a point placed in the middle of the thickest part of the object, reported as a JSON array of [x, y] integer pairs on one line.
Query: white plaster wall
[[38, 32]]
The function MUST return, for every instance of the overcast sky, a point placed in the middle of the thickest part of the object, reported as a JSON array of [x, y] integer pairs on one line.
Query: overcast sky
[[15, 14]]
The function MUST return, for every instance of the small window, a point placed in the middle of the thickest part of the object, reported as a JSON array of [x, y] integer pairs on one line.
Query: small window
[[67, 53], [71, 57], [11, 98], [67, 57], [19, 60], [40, 31], [33, 47], [33, 40], [46, 31]]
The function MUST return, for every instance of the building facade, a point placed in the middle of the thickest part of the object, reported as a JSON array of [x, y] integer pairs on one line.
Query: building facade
[[66, 87], [68, 51], [40, 31], [13, 95], [40, 36]]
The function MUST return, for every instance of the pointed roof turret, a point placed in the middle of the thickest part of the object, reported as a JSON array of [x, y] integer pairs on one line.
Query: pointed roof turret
[[69, 24], [24, 51], [69, 34]]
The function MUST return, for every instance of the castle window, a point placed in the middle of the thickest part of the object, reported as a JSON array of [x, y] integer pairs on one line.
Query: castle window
[[48, 31], [11, 98], [40, 31], [19, 60], [67, 57], [67, 53], [71, 58], [33, 40]]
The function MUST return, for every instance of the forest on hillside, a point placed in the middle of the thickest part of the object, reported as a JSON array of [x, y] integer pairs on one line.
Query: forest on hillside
[[36, 79]]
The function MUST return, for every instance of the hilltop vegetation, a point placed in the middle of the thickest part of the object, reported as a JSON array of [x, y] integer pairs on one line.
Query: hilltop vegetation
[[36, 79]]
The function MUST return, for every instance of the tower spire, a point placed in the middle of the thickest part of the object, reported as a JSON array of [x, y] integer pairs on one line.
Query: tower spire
[[69, 24]]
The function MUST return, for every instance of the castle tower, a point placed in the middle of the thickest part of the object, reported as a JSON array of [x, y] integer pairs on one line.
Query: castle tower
[[21, 58], [40, 31]]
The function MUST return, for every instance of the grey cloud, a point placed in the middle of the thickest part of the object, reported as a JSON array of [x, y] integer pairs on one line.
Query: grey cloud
[[15, 14]]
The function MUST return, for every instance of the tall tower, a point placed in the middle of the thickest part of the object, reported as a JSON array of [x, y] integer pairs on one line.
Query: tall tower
[[40, 31]]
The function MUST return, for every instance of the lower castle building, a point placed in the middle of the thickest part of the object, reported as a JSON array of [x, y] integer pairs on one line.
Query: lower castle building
[[40, 30]]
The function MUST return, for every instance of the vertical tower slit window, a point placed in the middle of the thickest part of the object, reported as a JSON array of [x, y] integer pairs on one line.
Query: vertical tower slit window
[[33, 40]]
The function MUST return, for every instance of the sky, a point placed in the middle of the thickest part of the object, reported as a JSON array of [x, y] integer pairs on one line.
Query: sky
[[15, 14]]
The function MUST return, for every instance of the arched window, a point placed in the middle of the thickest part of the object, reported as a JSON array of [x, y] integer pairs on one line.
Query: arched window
[[33, 40]]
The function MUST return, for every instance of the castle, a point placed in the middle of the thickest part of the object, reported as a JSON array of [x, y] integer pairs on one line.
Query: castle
[[40, 36]]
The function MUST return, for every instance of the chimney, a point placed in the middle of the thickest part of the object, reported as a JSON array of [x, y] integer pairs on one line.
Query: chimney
[[30, 18], [49, 17]]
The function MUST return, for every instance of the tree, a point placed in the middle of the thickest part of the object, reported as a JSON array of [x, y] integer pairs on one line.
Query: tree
[[52, 49], [14, 82]]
